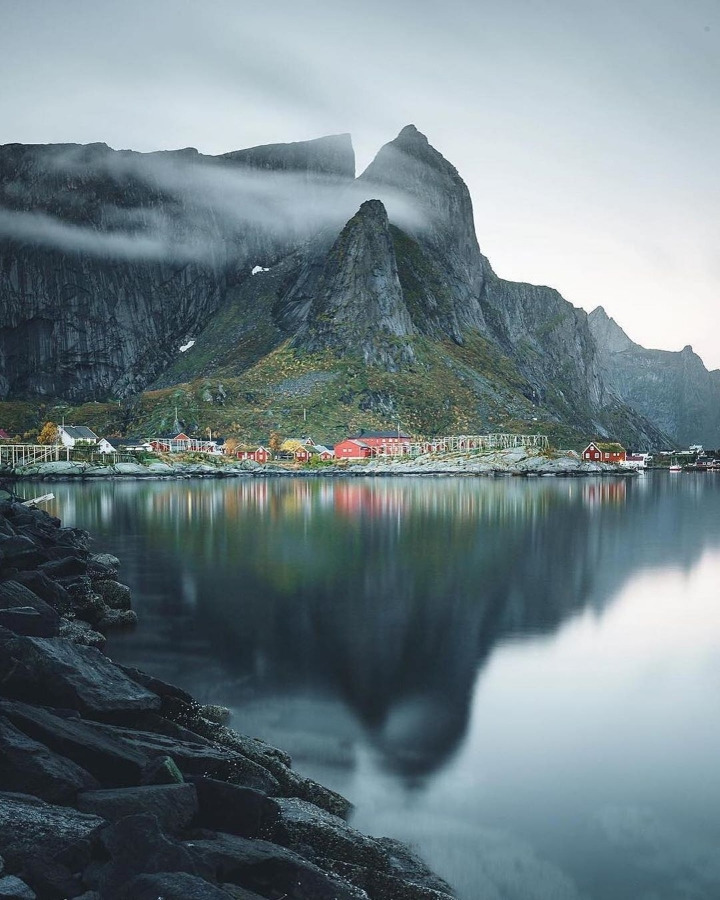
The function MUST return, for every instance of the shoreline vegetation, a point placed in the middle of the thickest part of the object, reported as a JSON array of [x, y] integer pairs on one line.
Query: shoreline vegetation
[[114, 784], [515, 462]]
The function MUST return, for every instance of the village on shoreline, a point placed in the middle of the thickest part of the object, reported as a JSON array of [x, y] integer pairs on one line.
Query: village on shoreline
[[75, 451]]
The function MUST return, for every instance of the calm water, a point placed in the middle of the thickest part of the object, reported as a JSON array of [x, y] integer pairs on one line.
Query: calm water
[[519, 677]]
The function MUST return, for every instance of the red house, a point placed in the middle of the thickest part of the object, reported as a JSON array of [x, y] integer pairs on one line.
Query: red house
[[171, 444], [604, 452], [352, 448], [302, 454], [384, 441], [257, 454]]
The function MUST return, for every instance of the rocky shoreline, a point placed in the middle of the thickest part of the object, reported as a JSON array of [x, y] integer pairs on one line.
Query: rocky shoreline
[[114, 784], [517, 462]]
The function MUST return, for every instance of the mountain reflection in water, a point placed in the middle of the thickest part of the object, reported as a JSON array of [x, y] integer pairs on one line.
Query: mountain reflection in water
[[345, 617]]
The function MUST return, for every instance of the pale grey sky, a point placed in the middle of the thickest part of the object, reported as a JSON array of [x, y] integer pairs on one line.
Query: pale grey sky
[[588, 133]]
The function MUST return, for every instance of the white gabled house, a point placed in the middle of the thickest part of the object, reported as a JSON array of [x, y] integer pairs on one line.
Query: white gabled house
[[74, 435]]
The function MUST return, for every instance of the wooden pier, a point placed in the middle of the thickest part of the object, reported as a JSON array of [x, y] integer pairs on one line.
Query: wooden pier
[[13, 455], [463, 443]]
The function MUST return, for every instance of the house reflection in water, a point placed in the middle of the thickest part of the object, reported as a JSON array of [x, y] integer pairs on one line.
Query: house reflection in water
[[377, 601]]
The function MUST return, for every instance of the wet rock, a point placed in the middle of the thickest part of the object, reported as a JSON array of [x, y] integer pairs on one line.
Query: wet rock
[[157, 686], [65, 567], [303, 825], [19, 552], [114, 594], [174, 805], [407, 865], [174, 886], [263, 867], [12, 888], [52, 880], [137, 846], [214, 713], [48, 590], [112, 762], [29, 767], [238, 893], [117, 618], [294, 785], [235, 809], [103, 565], [14, 595], [80, 632], [57, 672], [382, 885], [30, 827], [26, 620], [196, 757], [161, 770]]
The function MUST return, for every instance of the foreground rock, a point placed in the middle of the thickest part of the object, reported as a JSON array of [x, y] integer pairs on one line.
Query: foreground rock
[[114, 784]]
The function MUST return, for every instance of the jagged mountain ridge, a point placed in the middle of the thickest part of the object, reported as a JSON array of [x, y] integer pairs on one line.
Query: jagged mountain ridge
[[406, 292], [672, 388]]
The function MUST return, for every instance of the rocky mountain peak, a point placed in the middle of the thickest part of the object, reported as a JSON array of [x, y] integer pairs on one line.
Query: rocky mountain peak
[[359, 305], [440, 216], [608, 335]]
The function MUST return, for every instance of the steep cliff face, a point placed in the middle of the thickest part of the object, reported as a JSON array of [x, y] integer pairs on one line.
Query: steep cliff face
[[673, 389], [110, 261], [359, 303], [439, 219]]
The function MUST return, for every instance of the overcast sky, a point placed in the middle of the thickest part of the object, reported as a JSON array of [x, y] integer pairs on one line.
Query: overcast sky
[[588, 132]]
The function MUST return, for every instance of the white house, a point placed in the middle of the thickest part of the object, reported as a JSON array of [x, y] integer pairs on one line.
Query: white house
[[72, 435]]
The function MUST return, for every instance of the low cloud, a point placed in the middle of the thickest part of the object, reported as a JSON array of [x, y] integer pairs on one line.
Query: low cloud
[[192, 208]]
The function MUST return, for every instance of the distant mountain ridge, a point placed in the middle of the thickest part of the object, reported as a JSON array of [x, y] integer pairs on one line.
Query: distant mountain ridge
[[674, 389], [372, 301]]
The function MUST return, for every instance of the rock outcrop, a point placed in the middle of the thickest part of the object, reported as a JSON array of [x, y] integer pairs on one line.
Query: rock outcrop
[[359, 302]]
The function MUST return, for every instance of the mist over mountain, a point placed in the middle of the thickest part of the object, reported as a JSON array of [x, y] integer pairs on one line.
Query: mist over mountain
[[365, 299]]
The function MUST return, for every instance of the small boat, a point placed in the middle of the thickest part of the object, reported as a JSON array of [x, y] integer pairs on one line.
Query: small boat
[[675, 467]]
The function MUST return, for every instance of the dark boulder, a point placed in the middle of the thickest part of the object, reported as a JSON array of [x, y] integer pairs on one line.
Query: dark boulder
[[111, 761], [304, 827], [65, 567], [19, 552], [263, 867], [52, 880], [137, 846], [174, 805], [384, 886], [114, 594], [30, 827], [174, 886], [235, 809], [47, 589], [28, 766], [60, 673], [196, 757], [28, 621], [12, 888], [14, 595], [103, 565], [80, 632]]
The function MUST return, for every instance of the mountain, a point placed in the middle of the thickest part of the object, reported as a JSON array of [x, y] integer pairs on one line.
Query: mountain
[[673, 389], [270, 289]]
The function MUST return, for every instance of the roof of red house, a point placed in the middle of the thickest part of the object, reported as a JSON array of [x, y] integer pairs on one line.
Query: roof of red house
[[354, 441]]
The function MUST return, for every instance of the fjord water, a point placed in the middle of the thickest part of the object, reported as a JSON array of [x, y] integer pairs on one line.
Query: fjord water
[[519, 677]]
